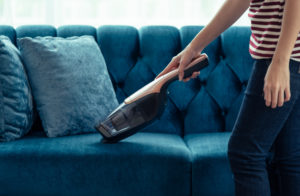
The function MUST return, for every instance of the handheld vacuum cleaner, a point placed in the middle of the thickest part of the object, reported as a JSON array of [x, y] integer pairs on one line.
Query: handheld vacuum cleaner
[[144, 106]]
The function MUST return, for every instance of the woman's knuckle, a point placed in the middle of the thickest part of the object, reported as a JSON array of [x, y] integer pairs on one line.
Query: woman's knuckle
[[267, 86], [275, 86]]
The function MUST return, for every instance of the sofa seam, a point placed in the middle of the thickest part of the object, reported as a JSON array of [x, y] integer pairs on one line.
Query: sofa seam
[[191, 165]]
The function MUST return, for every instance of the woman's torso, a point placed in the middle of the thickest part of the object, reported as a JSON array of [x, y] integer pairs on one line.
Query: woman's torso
[[266, 18]]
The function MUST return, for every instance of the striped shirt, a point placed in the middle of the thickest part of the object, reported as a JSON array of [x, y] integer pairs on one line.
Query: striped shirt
[[266, 18]]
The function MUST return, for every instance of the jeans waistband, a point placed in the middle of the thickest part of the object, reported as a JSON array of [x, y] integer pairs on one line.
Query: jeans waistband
[[293, 65]]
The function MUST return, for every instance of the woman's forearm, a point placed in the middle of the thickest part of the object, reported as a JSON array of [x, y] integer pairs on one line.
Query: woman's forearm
[[290, 28], [230, 11]]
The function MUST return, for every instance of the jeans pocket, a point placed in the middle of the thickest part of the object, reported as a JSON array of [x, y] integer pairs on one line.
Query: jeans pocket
[[256, 79]]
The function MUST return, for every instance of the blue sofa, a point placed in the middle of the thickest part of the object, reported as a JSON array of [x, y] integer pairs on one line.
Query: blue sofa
[[181, 154]]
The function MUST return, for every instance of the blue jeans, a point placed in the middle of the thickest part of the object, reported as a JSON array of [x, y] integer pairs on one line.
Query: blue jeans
[[260, 130]]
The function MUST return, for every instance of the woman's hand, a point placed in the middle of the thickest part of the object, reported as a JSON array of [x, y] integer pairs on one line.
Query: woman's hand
[[277, 84], [180, 61]]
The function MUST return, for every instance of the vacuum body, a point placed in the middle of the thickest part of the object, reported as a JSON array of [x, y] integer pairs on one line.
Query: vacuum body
[[144, 106]]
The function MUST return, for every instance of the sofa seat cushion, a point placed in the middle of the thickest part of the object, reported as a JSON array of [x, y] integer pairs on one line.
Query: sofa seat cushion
[[211, 174], [143, 164]]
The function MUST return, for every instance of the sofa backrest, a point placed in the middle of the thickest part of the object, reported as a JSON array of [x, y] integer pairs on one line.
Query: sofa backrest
[[209, 103]]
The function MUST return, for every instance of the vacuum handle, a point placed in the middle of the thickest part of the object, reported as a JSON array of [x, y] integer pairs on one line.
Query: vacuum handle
[[161, 83], [196, 65], [191, 69]]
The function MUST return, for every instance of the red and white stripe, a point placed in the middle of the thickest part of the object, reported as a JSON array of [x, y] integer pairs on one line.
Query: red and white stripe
[[266, 19]]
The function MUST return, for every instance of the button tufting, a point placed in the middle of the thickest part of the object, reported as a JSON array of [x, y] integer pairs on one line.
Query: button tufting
[[120, 84], [223, 112], [203, 82]]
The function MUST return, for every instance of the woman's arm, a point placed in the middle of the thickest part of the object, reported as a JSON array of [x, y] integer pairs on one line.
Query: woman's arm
[[290, 28], [230, 11], [277, 79]]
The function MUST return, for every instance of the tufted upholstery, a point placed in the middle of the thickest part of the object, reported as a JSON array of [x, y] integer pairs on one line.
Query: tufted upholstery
[[135, 56], [222, 92], [193, 130]]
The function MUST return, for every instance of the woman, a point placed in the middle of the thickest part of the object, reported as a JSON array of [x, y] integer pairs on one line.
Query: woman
[[270, 112]]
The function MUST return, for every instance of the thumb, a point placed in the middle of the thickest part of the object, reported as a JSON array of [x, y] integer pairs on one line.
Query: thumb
[[169, 67], [182, 65]]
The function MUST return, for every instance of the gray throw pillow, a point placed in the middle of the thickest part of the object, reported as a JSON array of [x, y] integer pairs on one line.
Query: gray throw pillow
[[16, 106], [70, 83]]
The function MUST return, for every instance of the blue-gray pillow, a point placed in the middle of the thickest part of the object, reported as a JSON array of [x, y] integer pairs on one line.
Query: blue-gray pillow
[[16, 106], [70, 83]]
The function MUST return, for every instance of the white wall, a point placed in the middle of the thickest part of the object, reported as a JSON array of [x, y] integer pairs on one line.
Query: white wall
[[98, 12]]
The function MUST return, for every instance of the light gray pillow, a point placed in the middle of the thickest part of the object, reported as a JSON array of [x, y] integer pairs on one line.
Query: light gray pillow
[[70, 83], [16, 106]]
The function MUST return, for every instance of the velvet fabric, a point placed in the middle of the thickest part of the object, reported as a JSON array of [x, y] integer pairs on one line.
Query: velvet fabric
[[145, 164], [9, 32], [182, 153], [71, 86], [16, 105], [211, 174], [215, 105], [134, 58]]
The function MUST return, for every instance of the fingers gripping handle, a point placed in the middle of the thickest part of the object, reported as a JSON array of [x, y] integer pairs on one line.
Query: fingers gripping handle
[[196, 67]]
